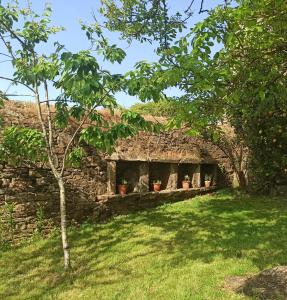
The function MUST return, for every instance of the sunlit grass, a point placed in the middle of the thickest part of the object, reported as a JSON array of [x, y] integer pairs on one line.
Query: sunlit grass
[[178, 251]]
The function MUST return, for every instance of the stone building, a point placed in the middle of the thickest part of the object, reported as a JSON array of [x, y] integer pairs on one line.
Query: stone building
[[92, 188]]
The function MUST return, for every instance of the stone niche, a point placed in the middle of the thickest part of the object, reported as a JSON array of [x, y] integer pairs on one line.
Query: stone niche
[[208, 169], [165, 172], [136, 173], [141, 175], [192, 170]]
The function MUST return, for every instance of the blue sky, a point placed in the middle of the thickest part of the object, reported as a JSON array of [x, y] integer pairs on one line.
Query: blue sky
[[68, 13]]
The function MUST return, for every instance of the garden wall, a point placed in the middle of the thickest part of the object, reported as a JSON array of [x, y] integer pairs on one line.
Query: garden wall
[[29, 199]]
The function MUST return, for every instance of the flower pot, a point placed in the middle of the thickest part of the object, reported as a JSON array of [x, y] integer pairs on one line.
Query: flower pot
[[185, 185], [156, 187], [123, 188], [207, 183]]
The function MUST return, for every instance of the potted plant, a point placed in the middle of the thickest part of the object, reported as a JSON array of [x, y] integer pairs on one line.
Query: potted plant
[[207, 180], [186, 182], [156, 185], [123, 187]]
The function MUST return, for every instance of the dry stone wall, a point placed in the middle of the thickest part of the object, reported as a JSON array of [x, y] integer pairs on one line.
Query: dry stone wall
[[34, 194], [32, 191]]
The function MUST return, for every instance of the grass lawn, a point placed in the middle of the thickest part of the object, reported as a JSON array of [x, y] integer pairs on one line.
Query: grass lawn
[[178, 251]]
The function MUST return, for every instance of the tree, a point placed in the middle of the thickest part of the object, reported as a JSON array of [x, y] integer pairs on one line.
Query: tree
[[148, 20], [162, 108], [231, 69], [85, 88], [244, 83]]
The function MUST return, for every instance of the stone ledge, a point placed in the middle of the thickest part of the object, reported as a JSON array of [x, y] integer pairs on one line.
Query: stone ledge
[[118, 158], [161, 194], [107, 206]]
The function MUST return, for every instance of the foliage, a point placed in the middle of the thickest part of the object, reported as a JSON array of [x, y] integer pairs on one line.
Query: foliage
[[3, 97], [162, 108], [145, 20], [110, 52], [184, 250], [84, 88], [157, 181], [7, 224], [84, 84], [186, 178], [231, 69], [40, 219], [246, 81], [207, 177], [104, 138], [149, 20], [123, 181], [20, 144], [75, 157]]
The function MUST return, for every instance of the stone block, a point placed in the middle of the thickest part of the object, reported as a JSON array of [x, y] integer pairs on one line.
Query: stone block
[[5, 182], [40, 181], [111, 177], [196, 178], [173, 177], [34, 173]]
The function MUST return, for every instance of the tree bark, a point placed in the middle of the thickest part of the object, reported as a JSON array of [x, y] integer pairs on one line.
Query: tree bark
[[241, 179], [66, 250], [236, 160]]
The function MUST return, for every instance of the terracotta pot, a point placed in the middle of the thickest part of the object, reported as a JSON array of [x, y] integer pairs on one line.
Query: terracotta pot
[[185, 185], [207, 183], [156, 187], [123, 188]]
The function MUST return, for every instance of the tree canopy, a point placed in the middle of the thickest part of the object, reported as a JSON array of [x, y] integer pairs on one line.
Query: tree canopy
[[230, 69], [149, 20]]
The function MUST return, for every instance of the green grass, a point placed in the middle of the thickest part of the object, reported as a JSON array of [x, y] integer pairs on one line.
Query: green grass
[[178, 251]]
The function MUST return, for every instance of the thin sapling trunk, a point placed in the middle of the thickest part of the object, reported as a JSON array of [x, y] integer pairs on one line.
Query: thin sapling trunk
[[67, 262]]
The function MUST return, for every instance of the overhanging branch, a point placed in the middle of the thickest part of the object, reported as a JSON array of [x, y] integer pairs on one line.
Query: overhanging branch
[[18, 82]]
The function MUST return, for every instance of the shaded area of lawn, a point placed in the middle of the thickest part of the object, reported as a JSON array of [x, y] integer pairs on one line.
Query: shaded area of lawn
[[178, 251]]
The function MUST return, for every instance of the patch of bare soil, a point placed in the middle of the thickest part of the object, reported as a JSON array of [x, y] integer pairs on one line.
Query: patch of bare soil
[[270, 284]]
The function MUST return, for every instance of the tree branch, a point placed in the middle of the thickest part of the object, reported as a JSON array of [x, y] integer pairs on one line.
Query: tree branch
[[189, 7], [6, 60], [77, 131], [49, 117], [18, 82], [7, 46], [17, 95], [201, 10], [41, 119], [4, 54], [16, 37]]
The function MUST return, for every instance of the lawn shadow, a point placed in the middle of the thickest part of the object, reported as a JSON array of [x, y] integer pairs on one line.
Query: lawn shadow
[[230, 228], [227, 227]]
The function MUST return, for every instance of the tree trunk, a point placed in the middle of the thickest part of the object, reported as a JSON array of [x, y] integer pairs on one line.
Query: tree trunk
[[67, 263], [241, 179]]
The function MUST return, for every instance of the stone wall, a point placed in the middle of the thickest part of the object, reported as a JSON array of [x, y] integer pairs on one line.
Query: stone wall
[[33, 191]]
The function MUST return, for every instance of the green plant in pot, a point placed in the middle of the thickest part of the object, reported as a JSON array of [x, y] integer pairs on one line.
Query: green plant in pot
[[156, 185], [207, 180], [186, 182], [123, 187]]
